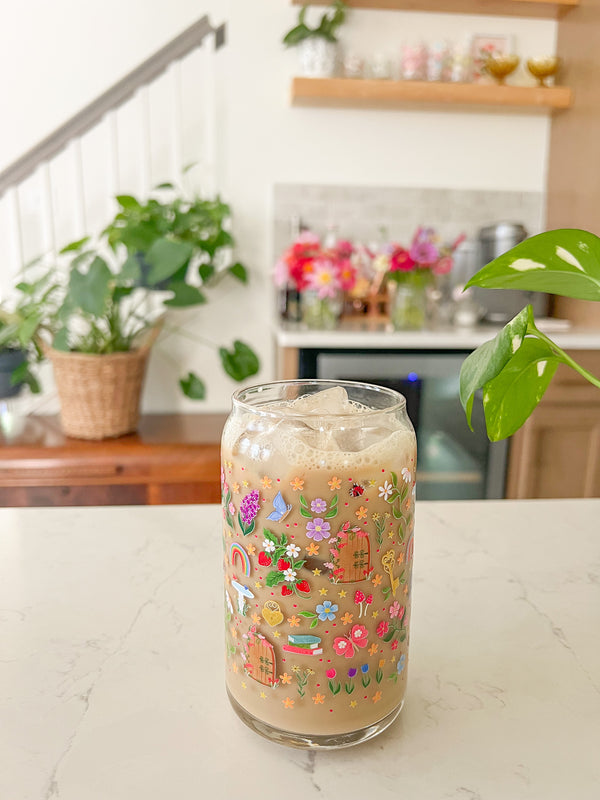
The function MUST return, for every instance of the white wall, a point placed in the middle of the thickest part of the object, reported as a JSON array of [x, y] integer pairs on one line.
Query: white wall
[[57, 56]]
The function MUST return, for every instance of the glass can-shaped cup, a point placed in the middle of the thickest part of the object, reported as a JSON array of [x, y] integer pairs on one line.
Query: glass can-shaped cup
[[318, 488]]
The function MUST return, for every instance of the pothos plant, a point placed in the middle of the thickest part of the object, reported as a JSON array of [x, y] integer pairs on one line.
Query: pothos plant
[[515, 368], [327, 28], [153, 256]]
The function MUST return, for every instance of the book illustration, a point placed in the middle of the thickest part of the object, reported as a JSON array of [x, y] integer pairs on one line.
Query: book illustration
[[303, 644]]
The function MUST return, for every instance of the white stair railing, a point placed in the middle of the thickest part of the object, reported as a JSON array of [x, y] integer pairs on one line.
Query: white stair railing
[[141, 131]]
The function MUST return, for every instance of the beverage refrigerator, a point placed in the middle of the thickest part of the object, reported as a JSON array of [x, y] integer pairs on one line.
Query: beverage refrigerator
[[454, 463]]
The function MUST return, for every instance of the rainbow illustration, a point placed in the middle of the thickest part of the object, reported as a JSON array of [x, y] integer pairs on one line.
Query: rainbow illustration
[[237, 550]]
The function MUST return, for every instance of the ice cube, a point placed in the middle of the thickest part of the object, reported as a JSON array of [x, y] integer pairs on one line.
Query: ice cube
[[329, 401]]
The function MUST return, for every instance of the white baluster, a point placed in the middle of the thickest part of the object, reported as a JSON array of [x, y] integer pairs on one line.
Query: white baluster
[[210, 117], [48, 221], [177, 121], [80, 207], [146, 141], [114, 171], [16, 229]]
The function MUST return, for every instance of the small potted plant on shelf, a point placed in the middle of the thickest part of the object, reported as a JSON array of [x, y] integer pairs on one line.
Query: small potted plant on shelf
[[513, 370], [104, 312], [318, 46], [321, 275]]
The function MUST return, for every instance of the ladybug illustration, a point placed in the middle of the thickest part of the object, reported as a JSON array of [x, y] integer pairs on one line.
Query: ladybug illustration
[[357, 490]]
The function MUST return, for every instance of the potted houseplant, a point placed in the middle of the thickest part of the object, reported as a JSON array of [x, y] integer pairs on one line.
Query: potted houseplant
[[317, 46], [105, 311], [515, 368]]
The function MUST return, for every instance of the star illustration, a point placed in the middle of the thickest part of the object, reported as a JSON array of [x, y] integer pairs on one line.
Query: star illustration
[[323, 592], [257, 584], [372, 483], [342, 594], [276, 634], [375, 614], [245, 484], [263, 696], [244, 685], [316, 572], [353, 703]]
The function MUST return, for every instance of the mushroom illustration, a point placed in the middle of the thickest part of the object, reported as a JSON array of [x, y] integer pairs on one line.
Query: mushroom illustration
[[243, 592]]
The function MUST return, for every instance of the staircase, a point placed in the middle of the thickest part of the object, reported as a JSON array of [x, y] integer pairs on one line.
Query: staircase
[[144, 130]]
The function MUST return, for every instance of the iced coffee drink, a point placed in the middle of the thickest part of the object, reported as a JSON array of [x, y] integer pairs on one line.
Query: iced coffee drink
[[318, 485]]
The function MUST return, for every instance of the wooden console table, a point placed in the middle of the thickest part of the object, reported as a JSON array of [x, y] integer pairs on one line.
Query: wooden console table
[[171, 459]]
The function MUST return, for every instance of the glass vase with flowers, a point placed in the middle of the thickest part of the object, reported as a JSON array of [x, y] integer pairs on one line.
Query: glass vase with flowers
[[321, 275], [412, 273]]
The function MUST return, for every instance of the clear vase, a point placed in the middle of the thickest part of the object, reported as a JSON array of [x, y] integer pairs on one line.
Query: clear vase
[[408, 307], [321, 313]]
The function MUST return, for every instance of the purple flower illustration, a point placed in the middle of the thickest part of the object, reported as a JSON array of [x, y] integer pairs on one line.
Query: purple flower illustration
[[317, 529], [352, 672], [249, 507], [318, 506]]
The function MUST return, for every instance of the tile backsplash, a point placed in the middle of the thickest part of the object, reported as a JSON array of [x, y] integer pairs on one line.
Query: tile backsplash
[[358, 212]]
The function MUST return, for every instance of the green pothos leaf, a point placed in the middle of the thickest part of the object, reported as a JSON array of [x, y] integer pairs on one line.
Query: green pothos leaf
[[239, 363], [510, 397], [193, 387]]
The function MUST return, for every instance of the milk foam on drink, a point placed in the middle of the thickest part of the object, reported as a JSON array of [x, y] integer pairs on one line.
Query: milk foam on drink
[[318, 518]]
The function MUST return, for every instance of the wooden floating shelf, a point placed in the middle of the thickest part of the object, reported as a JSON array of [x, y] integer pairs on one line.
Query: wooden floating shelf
[[550, 9], [358, 93]]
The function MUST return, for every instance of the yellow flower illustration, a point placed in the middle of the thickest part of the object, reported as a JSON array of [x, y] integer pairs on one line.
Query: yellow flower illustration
[[377, 697], [288, 702], [377, 580], [347, 618], [334, 483], [313, 549], [318, 698], [256, 619], [295, 668], [297, 484], [236, 488], [376, 516], [381, 663], [266, 482], [400, 558], [361, 513], [251, 549], [373, 649], [294, 621], [234, 667], [285, 678]]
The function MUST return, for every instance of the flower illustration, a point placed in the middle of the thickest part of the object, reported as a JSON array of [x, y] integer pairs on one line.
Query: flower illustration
[[318, 698], [334, 483], [385, 490], [289, 574], [347, 618], [326, 610], [294, 621], [373, 649], [361, 513], [312, 549], [395, 644], [377, 580], [318, 506], [268, 546], [231, 508], [292, 550], [318, 529], [365, 679], [249, 506], [285, 678], [297, 484], [288, 702], [352, 672], [251, 549], [400, 664], [331, 673], [266, 482], [406, 475], [394, 609], [377, 697], [236, 488], [383, 628], [364, 668]]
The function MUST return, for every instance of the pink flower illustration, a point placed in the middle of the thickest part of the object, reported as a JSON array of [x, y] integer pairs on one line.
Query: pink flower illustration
[[249, 507], [383, 628]]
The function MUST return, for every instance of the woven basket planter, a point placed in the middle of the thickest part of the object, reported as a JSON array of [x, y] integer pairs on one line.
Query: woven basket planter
[[99, 394]]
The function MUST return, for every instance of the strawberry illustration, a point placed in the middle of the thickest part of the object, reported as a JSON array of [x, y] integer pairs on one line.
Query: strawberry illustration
[[282, 565], [264, 560], [285, 590], [303, 586]]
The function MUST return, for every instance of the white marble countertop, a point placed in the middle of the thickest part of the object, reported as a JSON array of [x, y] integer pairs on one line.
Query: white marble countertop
[[377, 336], [109, 633]]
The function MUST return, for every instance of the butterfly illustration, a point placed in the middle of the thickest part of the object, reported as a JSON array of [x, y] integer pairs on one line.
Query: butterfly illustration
[[280, 509], [346, 645]]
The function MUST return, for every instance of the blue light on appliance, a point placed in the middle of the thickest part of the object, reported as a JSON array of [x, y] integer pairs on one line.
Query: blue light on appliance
[[412, 376]]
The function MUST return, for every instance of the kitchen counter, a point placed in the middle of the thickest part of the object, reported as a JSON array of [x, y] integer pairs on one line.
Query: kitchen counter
[[111, 673], [373, 335]]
